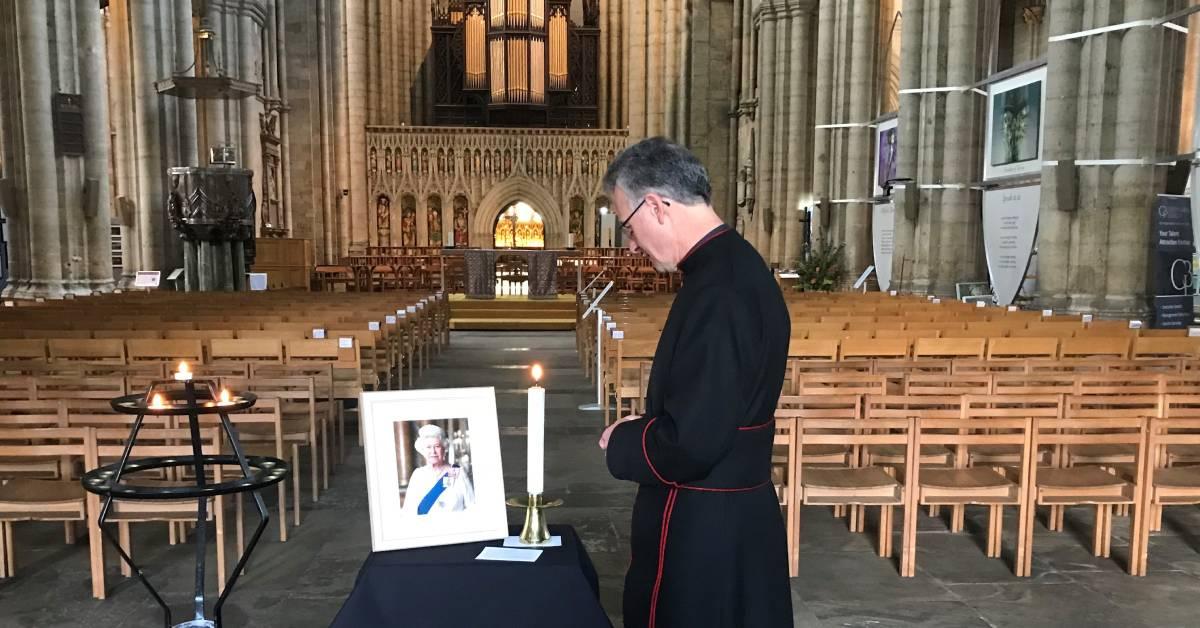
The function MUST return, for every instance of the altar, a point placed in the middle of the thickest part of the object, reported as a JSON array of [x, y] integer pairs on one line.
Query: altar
[[481, 272]]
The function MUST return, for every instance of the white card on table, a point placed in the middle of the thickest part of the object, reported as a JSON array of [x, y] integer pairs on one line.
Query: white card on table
[[318, 334], [1012, 308], [515, 541], [618, 334], [1087, 318], [391, 319], [509, 554], [892, 293], [936, 301], [980, 304], [1047, 312], [373, 326], [345, 343], [412, 309], [610, 325], [1135, 324], [1193, 332]]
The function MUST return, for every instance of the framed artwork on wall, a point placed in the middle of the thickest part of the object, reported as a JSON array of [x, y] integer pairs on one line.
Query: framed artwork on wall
[[1014, 137]]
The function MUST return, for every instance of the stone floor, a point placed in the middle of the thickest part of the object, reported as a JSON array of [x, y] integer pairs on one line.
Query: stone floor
[[842, 583]]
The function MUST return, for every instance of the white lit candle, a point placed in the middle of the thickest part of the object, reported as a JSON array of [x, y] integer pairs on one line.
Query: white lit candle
[[224, 398], [537, 432], [184, 374], [156, 402]]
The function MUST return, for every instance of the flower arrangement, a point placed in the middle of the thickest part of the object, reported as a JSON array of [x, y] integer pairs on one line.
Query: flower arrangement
[[823, 270]]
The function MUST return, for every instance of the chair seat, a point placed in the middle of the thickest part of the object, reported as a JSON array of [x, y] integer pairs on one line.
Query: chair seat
[[1085, 485], [1183, 453], [29, 491], [863, 485], [967, 486], [1177, 477]]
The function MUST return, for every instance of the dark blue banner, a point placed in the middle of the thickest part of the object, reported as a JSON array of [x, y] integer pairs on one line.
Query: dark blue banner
[[1170, 261]]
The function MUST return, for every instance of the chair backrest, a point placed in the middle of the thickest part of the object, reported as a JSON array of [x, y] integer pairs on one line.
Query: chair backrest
[[174, 350], [949, 348], [1022, 348], [102, 351], [943, 384], [875, 348], [263, 350], [1158, 347], [23, 350], [813, 349], [840, 384], [1096, 346], [52, 443]]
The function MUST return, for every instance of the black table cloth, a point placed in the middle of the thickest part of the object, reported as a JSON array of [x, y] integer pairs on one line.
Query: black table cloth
[[445, 586], [481, 272]]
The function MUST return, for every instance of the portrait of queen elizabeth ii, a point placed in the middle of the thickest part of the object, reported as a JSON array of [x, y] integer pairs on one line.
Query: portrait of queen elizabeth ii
[[443, 483]]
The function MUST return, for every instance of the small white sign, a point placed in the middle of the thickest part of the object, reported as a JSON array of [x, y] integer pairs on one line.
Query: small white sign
[[318, 333], [412, 309], [147, 279], [618, 334], [892, 293], [980, 304], [402, 314], [420, 305], [789, 275], [1193, 332], [39, 300], [1087, 318], [373, 326], [610, 325], [175, 274], [509, 554], [1135, 324], [258, 281], [10, 304], [929, 297], [936, 301], [390, 318], [345, 343], [1047, 313], [1012, 308]]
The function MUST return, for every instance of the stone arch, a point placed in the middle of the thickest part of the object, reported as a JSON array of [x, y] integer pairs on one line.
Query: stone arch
[[510, 191]]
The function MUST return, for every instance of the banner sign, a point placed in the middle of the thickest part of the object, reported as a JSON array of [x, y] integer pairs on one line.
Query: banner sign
[[1013, 142], [1171, 261], [883, 233], [1010, 219]]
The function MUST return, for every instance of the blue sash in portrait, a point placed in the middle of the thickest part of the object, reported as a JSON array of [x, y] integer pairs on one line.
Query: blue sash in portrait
[[434, 493]]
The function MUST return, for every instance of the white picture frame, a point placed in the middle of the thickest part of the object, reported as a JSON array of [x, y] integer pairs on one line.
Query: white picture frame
[[457, 514], [998, 161]]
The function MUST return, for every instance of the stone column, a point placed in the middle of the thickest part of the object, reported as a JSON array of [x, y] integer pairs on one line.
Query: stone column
[[280, 86], [799, 136], [1061, 116], [41, 215], [356, 96], [1144, 53], [147, 131], [960, 255], [907, 135], [251, 23], [764, 164], [185, 57], [121, 119], [636, 87], [93, 74], [826, 24], [341, 133]]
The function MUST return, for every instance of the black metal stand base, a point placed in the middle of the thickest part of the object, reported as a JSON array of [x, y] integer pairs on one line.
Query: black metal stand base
[[257, 473]]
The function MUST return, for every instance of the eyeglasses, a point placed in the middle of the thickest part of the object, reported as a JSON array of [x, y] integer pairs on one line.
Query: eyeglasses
[[625, 223]]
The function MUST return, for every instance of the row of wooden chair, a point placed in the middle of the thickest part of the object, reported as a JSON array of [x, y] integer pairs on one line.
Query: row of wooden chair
[[1022, 451]]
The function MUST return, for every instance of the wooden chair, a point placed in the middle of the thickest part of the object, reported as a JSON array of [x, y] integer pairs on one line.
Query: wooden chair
[[860, 486], [963, 485], [952, 348], [1095, 347], [1167, 485], [1059, 487], [63, 499]]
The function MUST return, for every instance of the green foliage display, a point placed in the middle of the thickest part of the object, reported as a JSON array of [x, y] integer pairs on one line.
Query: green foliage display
[[824, 270]]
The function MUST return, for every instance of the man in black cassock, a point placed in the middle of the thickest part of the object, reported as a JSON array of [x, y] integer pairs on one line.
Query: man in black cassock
[[709, 546]]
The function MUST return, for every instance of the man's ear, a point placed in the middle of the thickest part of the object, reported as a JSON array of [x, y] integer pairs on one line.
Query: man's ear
[[660, 206]]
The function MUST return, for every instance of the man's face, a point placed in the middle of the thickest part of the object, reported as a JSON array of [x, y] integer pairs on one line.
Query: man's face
[[434, 452], [647, 228]]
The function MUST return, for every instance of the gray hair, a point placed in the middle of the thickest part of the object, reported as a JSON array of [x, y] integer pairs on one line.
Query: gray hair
[[660, 166], [427, 433]]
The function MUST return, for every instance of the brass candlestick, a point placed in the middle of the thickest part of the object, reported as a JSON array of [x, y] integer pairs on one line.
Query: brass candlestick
[[536, 531]]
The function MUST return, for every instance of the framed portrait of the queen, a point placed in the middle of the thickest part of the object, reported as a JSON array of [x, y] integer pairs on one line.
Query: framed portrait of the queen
[[433, 467]]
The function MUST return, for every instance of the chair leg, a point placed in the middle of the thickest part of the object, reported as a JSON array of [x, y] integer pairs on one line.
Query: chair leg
[[296, 481], [1102, 510], [126, 545], [957, 516], [7, 570], [995, 530], [325, 455], [96, 557], [312, 461], [283, 524], [1023, 566], [885, 531], [1108, 519], [69, 532], [908, 536]]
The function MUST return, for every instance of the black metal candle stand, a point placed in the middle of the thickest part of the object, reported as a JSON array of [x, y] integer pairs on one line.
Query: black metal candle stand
[[191, 399]]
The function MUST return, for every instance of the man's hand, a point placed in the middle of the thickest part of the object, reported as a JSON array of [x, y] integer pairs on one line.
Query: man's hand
[[609, 430]]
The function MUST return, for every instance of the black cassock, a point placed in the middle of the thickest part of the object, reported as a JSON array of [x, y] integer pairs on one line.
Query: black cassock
[[709, 546]]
